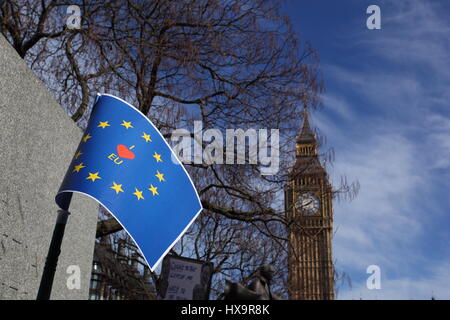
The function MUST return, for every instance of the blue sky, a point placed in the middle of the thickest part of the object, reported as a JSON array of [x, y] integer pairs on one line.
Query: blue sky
[[387, 115]]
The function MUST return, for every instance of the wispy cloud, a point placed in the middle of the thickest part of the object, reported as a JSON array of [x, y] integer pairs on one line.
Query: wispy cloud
[[439, 139], [389, 121], [401, 288]]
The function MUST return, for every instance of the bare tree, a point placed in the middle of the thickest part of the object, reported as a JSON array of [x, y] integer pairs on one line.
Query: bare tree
[[230, 64]]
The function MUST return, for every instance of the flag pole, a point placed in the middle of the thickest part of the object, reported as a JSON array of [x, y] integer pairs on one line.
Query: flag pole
[[45, 287]]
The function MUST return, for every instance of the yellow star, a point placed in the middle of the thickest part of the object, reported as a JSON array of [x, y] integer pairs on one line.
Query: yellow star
[[153, 190], [117, 187], [160, 176], [78, 167], [86, 137], [138, 194], [157, 157], [93, 176], [79, 153], [146, 137], [104, 124], [127, 124]]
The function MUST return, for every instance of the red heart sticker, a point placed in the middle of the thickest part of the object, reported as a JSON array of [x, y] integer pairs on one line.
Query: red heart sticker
[[124, 152]]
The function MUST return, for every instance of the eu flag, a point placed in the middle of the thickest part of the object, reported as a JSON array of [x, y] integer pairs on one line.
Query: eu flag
[[124, 163]]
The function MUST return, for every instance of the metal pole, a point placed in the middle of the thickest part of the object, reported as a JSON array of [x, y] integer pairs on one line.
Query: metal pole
[[45, 288]]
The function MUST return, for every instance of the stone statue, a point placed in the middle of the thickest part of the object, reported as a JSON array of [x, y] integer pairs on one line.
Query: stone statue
[[258, 289]]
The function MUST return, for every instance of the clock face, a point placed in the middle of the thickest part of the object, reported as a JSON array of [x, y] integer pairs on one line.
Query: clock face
[[307, 203]]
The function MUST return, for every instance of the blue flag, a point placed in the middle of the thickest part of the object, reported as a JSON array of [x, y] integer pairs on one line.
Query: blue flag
[[124, 163]]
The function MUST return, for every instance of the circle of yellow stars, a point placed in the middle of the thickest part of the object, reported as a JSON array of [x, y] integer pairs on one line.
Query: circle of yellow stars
[[118, 188]]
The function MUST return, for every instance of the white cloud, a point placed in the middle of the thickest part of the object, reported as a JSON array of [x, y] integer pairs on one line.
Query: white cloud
[[439, 140], [337, 105], [393, 152], [382, 216], [402, 288]]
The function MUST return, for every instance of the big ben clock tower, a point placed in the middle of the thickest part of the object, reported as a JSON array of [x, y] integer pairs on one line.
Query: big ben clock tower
[[308, 203]]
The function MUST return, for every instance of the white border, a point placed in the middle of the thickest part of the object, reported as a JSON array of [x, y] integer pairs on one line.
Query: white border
[[152, 268]]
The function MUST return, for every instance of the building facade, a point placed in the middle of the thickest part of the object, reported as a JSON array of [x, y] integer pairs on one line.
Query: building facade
[[119, 274], [308, 203]]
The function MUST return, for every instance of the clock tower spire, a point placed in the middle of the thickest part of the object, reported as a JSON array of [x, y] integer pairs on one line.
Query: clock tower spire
[[306, 143], [308, 204]]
